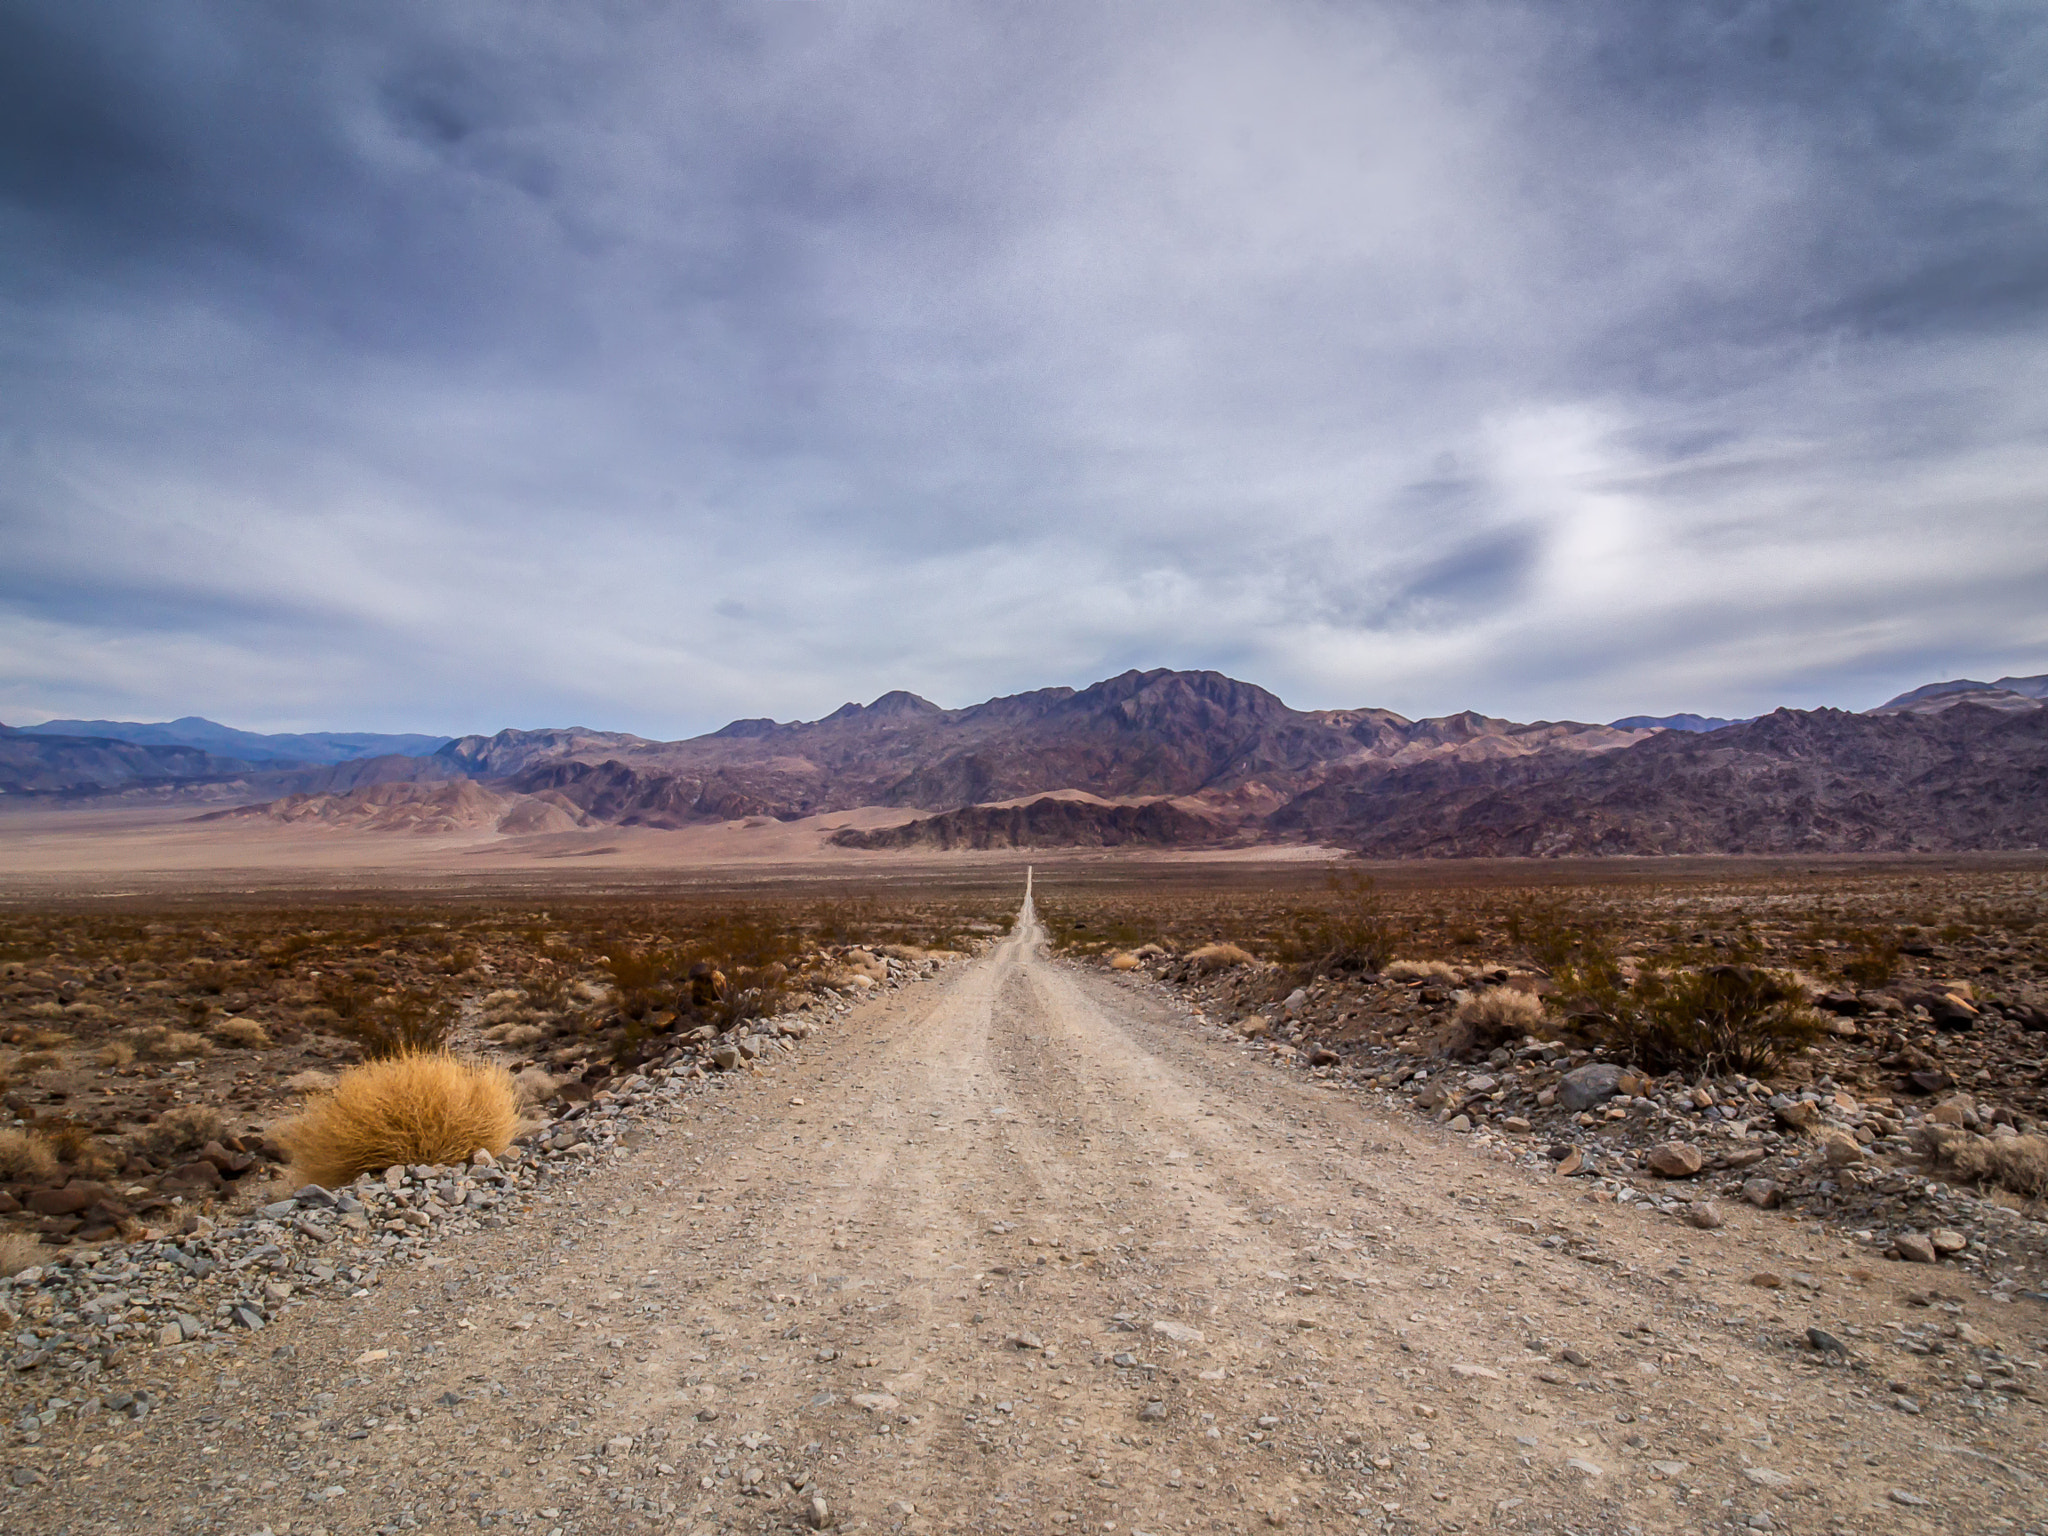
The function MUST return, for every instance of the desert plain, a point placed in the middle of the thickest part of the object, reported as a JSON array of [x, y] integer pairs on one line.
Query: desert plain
[[1174, 1190]]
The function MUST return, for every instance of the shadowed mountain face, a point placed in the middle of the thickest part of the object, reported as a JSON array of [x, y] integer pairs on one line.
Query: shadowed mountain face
[[1791, 782], [1044, 823]]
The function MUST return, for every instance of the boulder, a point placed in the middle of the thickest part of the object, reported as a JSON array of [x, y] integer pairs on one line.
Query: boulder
[[198, 1174], [68, 1201], [1914, 1248], [1586, 1087], [1841, 1149], [1675, 1160], [1798, 1115], [1764, 1194], [1952, 1015]]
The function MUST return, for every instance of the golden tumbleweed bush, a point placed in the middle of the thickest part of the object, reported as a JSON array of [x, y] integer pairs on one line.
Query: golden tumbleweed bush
[[422, 1107]]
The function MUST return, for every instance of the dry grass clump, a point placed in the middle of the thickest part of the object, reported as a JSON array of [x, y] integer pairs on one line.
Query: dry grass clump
[[1491, 1019], [536, 1085], [2016, 1163], [25, 1156], [1219, 957], [162, 1044], [507, 1006], [312, 1080], [1123, 961], [18, 1251], [115, 1053], [413, 1108], [516, 1036], [37, 1061], [1422, 970], [184, 1129], [247, 1034]]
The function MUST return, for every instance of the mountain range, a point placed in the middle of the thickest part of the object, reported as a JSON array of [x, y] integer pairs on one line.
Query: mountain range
[[1166, 758]]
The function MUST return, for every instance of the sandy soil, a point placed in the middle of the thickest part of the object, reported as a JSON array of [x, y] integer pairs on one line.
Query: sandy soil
[[1031, 1251], [118, 850]]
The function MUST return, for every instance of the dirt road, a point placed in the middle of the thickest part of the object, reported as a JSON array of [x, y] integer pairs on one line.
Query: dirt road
[[1031, 1250]]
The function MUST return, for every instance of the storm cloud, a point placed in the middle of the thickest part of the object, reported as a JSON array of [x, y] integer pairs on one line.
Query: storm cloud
[[444, 366]]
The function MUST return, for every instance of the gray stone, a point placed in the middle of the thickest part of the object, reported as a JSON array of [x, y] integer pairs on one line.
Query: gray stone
[[1153, 1412], [1584, 1088]]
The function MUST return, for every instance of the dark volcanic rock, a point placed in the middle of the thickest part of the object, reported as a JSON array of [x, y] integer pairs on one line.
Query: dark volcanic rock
[[1046, 823]]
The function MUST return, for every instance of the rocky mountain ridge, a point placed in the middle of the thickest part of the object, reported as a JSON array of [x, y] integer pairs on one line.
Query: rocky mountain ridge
[[1187, 759]]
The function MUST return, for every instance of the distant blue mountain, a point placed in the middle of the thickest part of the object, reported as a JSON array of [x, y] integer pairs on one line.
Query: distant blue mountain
[[1673, 723], [2009, 688], [247, 746]]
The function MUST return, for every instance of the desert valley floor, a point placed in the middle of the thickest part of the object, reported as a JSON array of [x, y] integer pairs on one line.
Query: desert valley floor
[[1029, 1247]]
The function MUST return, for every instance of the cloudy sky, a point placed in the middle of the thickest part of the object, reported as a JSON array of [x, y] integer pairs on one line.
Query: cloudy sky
[[443, 366]]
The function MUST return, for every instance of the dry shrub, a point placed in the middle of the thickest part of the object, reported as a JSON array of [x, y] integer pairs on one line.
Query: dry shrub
[[2017, 1163], [1123, 961], [37, 1061], [184, 1129], [248, 1034], [18, 1251], [1723, 1018], [1491, 1019], [115, 1053], [312, 1080], [25, 1156], [1219, 957], [402, 1024], [78, 1149], [414, 1108], [1423, 970], [1351, 931]]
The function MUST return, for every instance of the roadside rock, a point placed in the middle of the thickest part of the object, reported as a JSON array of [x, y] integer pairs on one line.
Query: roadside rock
[[1914, 1248], [1583, 1088], [1676, 1160]]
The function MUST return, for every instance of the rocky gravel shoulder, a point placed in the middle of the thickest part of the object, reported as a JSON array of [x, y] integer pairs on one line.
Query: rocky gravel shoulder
[[96, 1335]]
